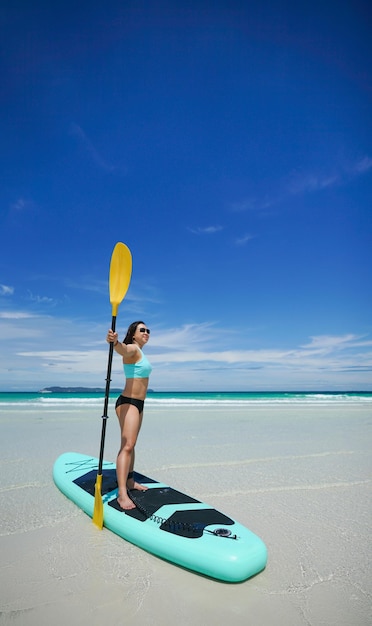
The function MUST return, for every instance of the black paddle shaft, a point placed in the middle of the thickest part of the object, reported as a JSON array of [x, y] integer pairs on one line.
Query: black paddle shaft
[[107, 393]]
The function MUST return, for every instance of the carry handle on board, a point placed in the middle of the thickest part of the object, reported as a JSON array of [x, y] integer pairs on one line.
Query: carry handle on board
[[119, 279]]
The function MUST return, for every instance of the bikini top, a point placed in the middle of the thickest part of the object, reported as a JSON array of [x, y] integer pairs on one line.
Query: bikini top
[[141, 369]]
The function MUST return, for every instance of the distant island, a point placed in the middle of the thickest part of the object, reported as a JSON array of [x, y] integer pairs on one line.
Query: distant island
[[76, 390], [80, 390]]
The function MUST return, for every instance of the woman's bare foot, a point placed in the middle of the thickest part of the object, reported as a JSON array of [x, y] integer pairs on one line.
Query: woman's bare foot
[[132, 484], [126, 503]]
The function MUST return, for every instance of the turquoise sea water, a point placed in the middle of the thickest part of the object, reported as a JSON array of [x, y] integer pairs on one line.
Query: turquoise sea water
[[43, 400]]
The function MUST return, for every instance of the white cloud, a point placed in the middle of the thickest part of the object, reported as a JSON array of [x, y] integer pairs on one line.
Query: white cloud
[[16, 315], [330, 341], [311, 182], [241, 241], [208, 230], [5, 290], [71, 360], [40, 299], [185, 337], [306, 182], [361, 166], [251, 204], [87, 283], [244, 205], [21, 205], [90, 149], [39, 351]]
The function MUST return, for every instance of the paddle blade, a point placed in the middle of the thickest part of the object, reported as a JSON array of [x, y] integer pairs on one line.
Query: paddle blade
[[120, 274], [98, 504]]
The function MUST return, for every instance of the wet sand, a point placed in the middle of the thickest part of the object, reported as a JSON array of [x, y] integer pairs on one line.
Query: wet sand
[[298, 476]]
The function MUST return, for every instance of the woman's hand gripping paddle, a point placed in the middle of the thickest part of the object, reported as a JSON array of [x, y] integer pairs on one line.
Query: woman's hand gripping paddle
[[120, 273]]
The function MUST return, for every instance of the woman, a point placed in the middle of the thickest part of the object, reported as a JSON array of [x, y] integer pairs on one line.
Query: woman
[[129, 405]]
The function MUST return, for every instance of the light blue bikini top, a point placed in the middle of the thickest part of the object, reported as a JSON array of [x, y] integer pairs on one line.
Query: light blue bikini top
[[141, 369]]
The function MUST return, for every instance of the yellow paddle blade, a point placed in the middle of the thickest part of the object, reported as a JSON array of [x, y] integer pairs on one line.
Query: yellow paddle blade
[[98, 504], [120, 274]]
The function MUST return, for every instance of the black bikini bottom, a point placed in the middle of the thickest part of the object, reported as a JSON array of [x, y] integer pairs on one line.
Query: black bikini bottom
[[135, 401]]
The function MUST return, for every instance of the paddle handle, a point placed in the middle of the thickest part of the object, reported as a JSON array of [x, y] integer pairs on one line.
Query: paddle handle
[[107, 396]]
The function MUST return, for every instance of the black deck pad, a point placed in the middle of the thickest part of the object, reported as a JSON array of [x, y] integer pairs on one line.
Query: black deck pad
[[150, 501], [192, 523], [189, 523], [109, 482]]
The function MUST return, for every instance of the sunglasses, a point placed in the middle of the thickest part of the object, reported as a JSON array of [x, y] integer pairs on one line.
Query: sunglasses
[[144, 330]]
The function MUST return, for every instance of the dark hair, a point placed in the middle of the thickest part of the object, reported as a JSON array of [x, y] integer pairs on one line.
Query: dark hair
[[130, 332]]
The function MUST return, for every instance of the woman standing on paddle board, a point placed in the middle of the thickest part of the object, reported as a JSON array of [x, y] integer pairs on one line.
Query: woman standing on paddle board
[[129, 405]]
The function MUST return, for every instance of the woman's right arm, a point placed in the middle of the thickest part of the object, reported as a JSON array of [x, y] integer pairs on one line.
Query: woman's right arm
[[119, 347]]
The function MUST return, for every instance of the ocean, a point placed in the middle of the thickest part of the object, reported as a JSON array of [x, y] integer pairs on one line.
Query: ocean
[[64, 400]]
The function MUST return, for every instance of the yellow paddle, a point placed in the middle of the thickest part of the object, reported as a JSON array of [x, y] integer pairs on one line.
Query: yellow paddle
[[120, 273]]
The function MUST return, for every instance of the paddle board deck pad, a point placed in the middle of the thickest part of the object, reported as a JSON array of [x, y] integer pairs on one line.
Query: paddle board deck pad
[[165, 522]]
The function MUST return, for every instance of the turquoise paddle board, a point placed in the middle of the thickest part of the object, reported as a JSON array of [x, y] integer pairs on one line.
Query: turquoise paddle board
[[165, 522]]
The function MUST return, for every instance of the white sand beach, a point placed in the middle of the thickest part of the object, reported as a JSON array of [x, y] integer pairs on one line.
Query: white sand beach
[[298, 476]]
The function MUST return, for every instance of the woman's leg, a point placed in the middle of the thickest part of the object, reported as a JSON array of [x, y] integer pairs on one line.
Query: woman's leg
[[131, 483], [130, 421]]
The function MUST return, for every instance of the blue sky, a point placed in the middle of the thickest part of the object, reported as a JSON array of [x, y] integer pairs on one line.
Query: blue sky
[[228, 144]]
